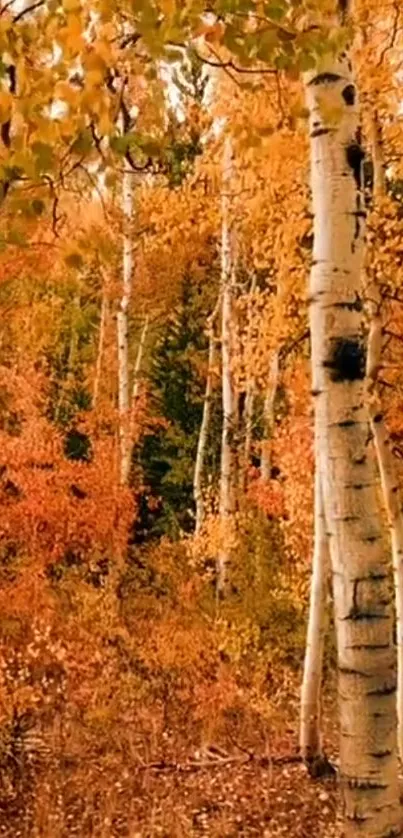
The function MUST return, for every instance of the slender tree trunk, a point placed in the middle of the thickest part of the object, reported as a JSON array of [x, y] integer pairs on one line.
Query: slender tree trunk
[[71, 358], [249, 411], [123, 328], [378, 158], [311, 747], [204, 429], [382, 441], [227, 498], [100, 352], [360, 566], [391, 491], [136, 383], [268, 414], [139, 360], [249, 397]]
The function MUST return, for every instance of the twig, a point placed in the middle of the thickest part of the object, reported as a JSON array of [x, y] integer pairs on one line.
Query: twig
[[198, 765], [26, 11], [223, 65], [7, 6], [390, 46]]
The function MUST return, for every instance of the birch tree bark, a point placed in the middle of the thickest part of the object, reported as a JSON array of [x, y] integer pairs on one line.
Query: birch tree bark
[[100, 352], [360, 567], [71, 357], [139, 361], [268, 413], [249, 411], [227, 480], [310, 740], [382, 442], [249, 396], [123, 327], [378, 158], [204, 430]]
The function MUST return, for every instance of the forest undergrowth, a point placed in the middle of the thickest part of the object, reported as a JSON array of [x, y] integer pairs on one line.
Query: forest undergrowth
[[138, 707]]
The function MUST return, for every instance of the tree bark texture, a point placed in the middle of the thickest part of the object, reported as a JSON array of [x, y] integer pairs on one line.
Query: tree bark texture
[[382, 441], [310, 722], [360, 565]]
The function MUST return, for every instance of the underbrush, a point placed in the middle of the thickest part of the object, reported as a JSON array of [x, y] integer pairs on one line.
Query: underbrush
[[144, 671]]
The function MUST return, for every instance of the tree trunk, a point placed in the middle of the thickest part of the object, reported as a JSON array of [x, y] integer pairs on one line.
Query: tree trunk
[[139, 361], [249, 397], [227, 481], [382, 442], [268, 414], [363, 608], [391, 491], [310, 722], [378, 158], [204, 430], [71, 359], [123, 328], [101, 341]]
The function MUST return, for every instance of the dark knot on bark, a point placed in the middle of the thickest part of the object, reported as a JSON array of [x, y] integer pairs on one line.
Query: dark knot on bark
[[346, 360]]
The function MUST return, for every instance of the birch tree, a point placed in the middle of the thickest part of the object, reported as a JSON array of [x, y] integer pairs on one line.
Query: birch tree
[[311, 746], [382, 441], [268, 412], [100, 350], [227, 477], [250, 392], [360, 566], [139, 360], [123, 324], [204, 429]]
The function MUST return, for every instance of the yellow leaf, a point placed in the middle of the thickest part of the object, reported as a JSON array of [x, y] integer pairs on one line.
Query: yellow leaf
[[6, 102], [94, 78], [72, 5]]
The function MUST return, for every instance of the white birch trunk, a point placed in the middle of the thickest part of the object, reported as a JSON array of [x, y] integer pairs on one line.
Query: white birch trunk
[[382, 442], [100, 352], [123, 328], [360, 566], [310, 740], [139, 361], [204, 429], [249, 397], [71, 358], [268, 414], [378, 158], [249, 411], [227, 499], [391, 492], [136, 383]]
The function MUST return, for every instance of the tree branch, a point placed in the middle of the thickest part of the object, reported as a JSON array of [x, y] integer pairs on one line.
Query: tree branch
[[29, 9], [230, 65], [393, 37], [198, 765]]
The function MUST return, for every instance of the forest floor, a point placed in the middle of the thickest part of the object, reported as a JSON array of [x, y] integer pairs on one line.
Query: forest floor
[[244, 791], [236, 800], [221, 792]]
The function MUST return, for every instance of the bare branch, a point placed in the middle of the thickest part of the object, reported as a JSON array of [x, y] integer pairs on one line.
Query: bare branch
[[6, 7], [393, 36], [28, 9], [199, 765], [230, 65]]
